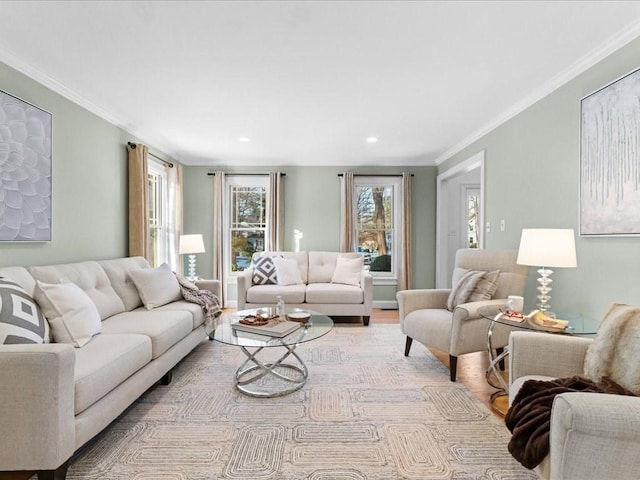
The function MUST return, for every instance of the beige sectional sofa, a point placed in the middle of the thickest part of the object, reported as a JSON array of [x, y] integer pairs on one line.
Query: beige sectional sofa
[[318, 288], [56, 396]]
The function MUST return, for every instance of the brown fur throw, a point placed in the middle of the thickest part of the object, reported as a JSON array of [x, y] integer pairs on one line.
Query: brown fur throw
[[615, 351], [529, 417]]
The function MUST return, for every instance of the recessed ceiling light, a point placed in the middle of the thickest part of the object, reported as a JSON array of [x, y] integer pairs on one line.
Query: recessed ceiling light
[[372, 139], [243, 139]]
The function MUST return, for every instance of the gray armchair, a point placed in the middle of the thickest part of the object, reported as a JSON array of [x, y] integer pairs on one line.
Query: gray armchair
[[425, 318]]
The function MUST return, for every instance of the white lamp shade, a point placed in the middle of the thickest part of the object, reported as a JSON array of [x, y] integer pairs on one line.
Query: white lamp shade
[[191, 244], [547, 247]]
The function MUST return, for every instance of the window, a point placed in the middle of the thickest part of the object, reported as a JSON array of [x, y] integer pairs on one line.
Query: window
[[246, 220], [377, 208], [159, 228]]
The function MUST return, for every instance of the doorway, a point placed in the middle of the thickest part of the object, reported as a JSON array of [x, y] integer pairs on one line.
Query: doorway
[[460, 210]]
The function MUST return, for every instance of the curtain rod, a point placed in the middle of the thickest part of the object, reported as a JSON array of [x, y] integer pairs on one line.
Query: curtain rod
[[248, 174], [374, 175], [168, 164]]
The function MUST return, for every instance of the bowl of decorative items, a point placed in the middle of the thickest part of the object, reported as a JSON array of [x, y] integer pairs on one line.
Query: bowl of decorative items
[[299, 316]]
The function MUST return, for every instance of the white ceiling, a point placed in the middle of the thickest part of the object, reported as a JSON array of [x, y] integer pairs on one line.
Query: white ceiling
[[308, 81]]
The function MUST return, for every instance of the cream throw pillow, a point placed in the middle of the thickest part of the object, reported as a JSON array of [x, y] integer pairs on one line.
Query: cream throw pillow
[[473, 286], [72, 315], [287, 271], [348, 271], [156, 286]]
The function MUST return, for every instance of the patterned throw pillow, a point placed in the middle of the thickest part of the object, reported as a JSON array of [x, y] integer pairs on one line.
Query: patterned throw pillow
[[264, 271], [473, 286], [21, 320]]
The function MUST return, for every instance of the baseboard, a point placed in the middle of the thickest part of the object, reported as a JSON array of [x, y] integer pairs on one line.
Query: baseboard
[[385, 304]]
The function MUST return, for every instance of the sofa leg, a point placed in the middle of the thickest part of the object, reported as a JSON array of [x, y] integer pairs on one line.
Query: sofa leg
[[453, 367], [365, 320], [166, 378], [59, 473], [407, 346]]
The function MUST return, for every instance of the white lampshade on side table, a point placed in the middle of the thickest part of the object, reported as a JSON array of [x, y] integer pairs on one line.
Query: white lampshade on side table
[[547, 247], [190, 245]]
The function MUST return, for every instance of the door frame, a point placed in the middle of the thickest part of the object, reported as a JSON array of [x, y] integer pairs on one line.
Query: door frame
[[442, 185]]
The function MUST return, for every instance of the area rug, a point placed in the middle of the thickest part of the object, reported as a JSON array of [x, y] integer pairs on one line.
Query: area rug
[[366, 413]]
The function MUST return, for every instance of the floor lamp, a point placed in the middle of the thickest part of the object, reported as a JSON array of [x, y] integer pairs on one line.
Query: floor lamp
[[190, 245], [546, 247]]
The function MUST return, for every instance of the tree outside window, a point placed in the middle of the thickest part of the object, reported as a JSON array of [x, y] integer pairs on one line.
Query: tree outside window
[[248, 224], [374, 225]]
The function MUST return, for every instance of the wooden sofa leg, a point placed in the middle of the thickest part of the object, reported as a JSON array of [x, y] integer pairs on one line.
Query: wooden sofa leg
[[166, 378], [59, 473], [407, 346], [453, 367], [499, 352], [365, 320]]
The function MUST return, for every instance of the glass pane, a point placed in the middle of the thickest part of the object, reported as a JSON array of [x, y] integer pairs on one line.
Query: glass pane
[[375, 246], [244, 243], [374, 207], [248, 207], [472, 223]]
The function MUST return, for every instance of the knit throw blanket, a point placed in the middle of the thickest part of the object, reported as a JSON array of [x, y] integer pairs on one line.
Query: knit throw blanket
[[205, 298], [529, 416]]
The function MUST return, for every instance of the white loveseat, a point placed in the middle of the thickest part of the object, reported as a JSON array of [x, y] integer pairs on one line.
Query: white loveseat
[[56, 397], [315, 292]]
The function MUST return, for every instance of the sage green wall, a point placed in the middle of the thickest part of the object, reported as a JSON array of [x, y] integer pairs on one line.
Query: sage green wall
[[532, 181], [312, 205], [89, 182]]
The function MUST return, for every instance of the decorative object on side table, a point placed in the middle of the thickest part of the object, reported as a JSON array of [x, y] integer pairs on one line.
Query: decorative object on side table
[[547, 247], [190, 245]]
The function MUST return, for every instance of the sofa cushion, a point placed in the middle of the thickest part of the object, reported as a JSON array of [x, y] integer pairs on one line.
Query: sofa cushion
[[322, 266], [105, 363], [90, 277], [333, 293], [287, 271], [21, 276], [156, 286], [117, 270], [264, 271], [164, 328], [21, 320], [182, 305], [72, 315], [266, 294], [348, 271]]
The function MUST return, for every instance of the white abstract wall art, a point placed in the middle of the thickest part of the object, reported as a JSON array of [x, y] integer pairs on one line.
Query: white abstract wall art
[[25, 171], [610, 159]]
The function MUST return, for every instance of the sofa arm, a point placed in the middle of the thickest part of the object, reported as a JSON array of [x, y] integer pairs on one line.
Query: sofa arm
[[244, 281], [594, 436], [366, 281], [214, 286], [36, 406], [552, 355], [411, 300]]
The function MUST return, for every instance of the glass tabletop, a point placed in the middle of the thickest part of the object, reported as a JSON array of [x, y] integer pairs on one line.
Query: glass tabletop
[[221, 331], [578, 323]]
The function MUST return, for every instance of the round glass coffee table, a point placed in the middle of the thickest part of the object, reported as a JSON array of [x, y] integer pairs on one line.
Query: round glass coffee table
[[265, 373]]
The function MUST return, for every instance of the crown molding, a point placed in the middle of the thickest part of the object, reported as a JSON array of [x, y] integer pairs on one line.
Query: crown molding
[[608, 47]]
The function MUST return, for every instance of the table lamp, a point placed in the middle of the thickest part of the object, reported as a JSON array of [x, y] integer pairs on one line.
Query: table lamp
[[190, 245], [546, 247]]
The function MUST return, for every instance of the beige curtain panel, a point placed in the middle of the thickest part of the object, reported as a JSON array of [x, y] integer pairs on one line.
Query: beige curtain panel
[[219, 270], [347, 231], [138, 202], [275, 220], [174, 176], [404, 273]]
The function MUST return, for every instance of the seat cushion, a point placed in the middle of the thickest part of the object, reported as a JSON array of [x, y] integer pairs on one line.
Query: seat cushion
[[266, 294], [333, 293], [430, 326], [105, 362], [182, 305], [164, 328]]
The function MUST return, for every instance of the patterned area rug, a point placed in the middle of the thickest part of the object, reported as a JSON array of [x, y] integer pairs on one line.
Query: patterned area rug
[[366, 413]]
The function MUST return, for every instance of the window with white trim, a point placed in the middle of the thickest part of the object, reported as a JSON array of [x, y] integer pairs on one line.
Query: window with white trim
[[377, 205], [245, 219], [159, 227]]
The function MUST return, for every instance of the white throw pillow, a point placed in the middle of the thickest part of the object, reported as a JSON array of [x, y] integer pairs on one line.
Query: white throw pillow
[[348, 271], [156, 286], [72, 315], [287, 271]]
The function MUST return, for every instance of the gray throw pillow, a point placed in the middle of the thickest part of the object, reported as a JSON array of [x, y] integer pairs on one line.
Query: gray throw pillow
[[21, 320], [473, 286], [264, 271]]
